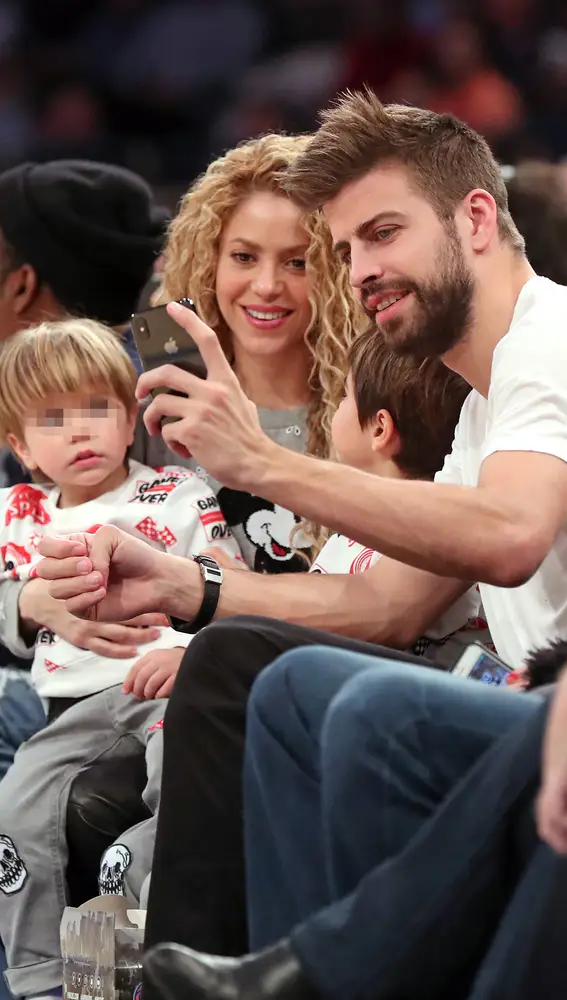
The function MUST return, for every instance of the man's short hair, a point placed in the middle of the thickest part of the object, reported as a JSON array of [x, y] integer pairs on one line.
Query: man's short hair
[[73, 355], [538, 204], [424, 400], [445, 158]]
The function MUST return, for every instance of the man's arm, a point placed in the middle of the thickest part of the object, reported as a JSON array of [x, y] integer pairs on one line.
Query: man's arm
[[110, 576], [498, 532], [390, 604]]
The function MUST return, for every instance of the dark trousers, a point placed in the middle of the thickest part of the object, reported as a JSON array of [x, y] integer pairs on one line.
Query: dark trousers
[[390, 821], [197, 894]]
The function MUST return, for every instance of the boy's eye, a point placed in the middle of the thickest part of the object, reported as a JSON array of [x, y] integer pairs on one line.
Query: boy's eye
[[99, 407], [53, 418]]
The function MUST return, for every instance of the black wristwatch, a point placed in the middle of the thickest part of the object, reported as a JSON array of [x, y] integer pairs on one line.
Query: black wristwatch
[[212, 575]]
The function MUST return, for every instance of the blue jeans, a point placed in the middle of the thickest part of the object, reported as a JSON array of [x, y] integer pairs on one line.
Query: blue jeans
[[21, 715], [360, 822]]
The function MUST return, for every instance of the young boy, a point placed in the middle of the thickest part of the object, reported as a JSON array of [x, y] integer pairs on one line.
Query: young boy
[[68, 411], [397, 419]]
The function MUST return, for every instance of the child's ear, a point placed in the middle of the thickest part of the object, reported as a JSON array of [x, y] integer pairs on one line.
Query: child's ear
[[21, 452], [384, 433]]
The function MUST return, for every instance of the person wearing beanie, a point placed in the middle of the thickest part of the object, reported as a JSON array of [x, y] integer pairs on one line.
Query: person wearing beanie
[[76, 238]]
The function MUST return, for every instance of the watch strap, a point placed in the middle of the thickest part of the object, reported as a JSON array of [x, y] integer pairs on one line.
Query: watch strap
[[212, 575]]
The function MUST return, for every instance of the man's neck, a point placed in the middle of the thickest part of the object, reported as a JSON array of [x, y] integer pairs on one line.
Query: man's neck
[[493, 311]]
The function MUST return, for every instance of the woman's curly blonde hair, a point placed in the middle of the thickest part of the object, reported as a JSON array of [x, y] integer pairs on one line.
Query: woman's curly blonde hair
[[191, 257]]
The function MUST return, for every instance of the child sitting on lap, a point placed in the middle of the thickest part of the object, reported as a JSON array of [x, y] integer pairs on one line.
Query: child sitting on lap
[[68, 411]]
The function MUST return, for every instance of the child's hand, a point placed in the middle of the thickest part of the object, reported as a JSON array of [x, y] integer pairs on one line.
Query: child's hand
[[153, 675], [223, 558]]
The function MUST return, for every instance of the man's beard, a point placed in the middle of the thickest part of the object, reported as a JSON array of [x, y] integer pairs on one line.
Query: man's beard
[[442, 310]]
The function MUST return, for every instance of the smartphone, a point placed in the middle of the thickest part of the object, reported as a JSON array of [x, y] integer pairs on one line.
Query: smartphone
[[480, 664], [160, 341]]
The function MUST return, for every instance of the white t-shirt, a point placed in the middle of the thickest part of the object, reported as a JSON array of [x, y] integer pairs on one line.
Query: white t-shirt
[[526, 410], [171, 509], [461, 624]]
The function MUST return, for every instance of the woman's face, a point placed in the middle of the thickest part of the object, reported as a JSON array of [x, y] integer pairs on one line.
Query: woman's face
[[261, 286]]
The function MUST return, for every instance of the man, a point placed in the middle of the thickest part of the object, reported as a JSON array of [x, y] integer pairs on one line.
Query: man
[[444, 277], [417, 206]]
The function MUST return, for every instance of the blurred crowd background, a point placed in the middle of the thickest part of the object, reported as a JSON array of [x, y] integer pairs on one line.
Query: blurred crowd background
[[163, 85]]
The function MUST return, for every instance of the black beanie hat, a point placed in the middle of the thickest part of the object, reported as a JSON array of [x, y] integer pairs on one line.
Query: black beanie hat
[[91, 231]]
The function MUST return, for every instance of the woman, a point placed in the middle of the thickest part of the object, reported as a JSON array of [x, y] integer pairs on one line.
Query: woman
[[265, 279]]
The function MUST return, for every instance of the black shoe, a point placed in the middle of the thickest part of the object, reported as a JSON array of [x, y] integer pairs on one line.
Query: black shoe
[[178, 973]]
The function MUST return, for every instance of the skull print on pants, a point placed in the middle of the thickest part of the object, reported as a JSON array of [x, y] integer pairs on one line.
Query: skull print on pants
[[13, 872], [113, 867]]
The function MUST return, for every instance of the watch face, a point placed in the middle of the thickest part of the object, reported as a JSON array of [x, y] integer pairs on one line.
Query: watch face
[[210, 569]]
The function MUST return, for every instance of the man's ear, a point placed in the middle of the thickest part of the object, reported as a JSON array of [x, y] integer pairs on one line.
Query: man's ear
[[385, 438], [21, 452], [481, 219], [20, 288]]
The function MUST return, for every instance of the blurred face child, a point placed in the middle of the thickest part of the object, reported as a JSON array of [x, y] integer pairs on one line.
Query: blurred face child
[[72, 414]]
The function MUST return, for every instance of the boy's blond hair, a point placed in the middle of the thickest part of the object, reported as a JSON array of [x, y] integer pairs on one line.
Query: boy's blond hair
[[71, 355]]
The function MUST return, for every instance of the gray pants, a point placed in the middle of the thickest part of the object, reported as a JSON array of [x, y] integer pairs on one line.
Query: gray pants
[[33, 848]]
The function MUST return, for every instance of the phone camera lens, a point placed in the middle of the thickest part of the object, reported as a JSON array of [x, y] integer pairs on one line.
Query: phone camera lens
[[144, 333]]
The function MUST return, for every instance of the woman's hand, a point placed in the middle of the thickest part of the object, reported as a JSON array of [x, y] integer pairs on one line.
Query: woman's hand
[[120, 641], [223, 558], [108, 576], [153, 675], [214, 419]]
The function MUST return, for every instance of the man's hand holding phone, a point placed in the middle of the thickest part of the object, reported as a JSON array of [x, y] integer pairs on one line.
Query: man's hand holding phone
[[213, 420]]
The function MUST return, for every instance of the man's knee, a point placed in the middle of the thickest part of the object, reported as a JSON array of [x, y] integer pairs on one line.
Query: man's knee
[[220, 665], [387, 696], [274, 689], [220, 635], [217, 642]]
